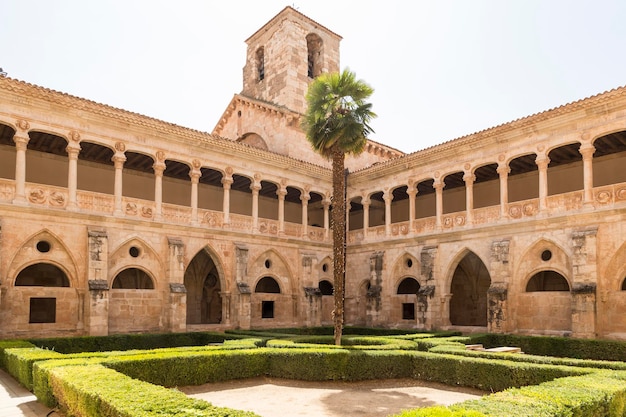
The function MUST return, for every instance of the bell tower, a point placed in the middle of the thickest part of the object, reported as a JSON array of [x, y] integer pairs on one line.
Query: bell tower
[[285, 55]]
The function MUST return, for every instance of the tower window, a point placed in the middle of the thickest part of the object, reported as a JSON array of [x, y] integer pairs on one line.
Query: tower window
[[314, 55], [260, 63]]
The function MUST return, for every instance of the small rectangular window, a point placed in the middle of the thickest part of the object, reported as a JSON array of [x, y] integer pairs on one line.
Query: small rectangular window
[[408, 311], [267, 309], [43, 310]]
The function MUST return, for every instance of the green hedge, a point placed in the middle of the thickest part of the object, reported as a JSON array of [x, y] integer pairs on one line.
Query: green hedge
[[20, 363], [609, 350], [9, 344], [347, 342], [178, 368], [92, 390], [129, 341]]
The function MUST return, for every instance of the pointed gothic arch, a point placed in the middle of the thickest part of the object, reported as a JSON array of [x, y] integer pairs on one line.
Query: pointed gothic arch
[[203, 282], [469, 285]]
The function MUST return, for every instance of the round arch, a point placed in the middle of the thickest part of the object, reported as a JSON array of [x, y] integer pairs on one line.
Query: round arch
[[267, 285], [42, 274], [326, 287], [408, 285], [132, 279], [547, 280]]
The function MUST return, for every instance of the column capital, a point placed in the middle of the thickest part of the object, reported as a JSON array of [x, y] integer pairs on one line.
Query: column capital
[[281, 192], [118, 158], [72, 149], [21, 140], [587, 150], [158, 167], [305, 197], [195, 175], [388, 196], [365, 202], [438, 184], [503, 169], [469, 178], [412, 190], [255, 186], [542, 161]]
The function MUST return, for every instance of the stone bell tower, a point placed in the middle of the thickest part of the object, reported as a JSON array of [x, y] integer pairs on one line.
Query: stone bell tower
[[285, 55]]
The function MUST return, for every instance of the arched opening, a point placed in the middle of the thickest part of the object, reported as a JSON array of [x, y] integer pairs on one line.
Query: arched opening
[[241, 195], [469, 286], [377, 209], [42, 275], [267, 285], [326, 287], [138, 176], [255, 140], [565, 171], [608, 159], [95, 171], [7, 152], [314, 55], [132, 279], [260, 63], [355, 213], [523, 178], [400, 205], [408, 286], [486, 186], [210, 190], [176, 183], [547, 281], [454, 193], [46, 159], [425, 203], [202, 282]]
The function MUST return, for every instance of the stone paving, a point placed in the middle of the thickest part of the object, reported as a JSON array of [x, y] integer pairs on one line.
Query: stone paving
[[17, 401]]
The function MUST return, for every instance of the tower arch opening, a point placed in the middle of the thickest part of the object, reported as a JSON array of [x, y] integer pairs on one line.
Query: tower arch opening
[[202, 282], [469, 286]]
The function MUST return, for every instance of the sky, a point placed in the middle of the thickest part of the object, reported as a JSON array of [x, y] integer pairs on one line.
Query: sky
[[441, 69]]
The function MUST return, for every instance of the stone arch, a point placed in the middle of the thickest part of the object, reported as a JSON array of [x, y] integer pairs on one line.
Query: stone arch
[[253, 139], [608, 158], [203, 281], [273, 263], [7, 150], [136, 252], [132, 279], [56, 253], [42, 274], [326, 287], [541, 312], [565, 171], [611, 298], [407, 285], [267, 285], [469, 284], [361, 318], [547, 280], [406, 265]]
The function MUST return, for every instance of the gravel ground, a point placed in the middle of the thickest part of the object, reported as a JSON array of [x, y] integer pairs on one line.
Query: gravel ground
[[272, 397]]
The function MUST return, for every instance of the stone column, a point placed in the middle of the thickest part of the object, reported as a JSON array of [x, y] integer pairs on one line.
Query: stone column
[[255, 187], [159, 168], [281, 193], [312, 293], [504, 171], [388, 197], [305, 197], [438, 185], [118, 162], [587, 150], [584, 267], [366, 215], [21, 144], [72, 149], [412, 193], [226, 295], [97, 306], [326, 204], [177, 320], [227, 181], [469, 179], [542, 162], [194, 174]]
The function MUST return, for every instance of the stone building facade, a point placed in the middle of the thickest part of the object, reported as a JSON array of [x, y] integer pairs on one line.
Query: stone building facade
[[112, 222]]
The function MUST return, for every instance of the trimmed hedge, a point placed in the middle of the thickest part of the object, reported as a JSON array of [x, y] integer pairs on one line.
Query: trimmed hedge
[[93, 390], [129, 341], [8, 344], [565, 347], [347, 342], [567, 387]]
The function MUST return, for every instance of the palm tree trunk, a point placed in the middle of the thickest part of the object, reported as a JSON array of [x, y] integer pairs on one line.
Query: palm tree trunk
[[338, 224]]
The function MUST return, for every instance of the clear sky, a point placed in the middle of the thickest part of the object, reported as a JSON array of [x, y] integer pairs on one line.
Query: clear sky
[[441, 69]]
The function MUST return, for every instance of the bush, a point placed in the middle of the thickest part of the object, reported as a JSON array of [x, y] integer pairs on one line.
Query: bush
[[8, 344], [92, 390], [20, 363]]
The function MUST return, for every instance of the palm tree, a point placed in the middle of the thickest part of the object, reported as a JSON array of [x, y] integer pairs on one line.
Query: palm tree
[[337, 123]]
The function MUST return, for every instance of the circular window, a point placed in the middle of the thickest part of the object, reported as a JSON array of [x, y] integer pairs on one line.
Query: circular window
[[546, 255], [325, 267], [134, 251], [409, 263], [43, 246], [268, 263]]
